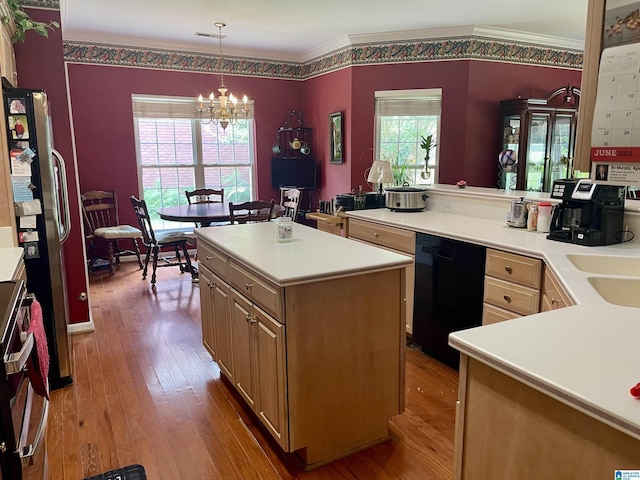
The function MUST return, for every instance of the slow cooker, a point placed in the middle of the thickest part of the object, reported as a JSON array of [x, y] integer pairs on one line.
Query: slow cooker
[[406, 199]]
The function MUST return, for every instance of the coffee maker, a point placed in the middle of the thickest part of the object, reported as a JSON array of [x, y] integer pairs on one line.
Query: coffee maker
[[590, 214]]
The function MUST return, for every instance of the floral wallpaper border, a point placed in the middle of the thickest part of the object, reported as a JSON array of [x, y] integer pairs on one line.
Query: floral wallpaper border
[[457, 48], [54, 4]]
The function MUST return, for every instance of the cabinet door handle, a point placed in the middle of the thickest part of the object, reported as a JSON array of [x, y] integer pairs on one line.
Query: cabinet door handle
[[253, 320], [209, 283], [248, 286], [553, 301], [508, 269], [209, 257], [248, 318], [507, 298], [375, 234]]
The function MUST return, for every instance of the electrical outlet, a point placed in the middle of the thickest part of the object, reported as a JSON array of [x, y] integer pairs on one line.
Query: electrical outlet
[[447, 207]]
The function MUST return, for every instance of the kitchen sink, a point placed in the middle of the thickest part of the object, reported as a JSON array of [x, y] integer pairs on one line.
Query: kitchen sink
[[619, 291], [607, 264]]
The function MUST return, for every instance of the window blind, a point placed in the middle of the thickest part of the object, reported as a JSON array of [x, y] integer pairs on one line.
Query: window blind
[[151, 106], [409, 102]]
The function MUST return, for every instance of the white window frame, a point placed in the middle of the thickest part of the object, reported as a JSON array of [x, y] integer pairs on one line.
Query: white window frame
[[172, 108], [416, 102]]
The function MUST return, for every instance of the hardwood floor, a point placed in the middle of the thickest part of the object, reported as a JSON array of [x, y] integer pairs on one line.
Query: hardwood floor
[[146, 391]]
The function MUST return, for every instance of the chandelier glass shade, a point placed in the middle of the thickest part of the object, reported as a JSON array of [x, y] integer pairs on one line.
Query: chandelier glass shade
[[225, 109]]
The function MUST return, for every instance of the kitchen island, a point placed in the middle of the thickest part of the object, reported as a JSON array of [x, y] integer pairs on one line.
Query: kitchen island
[[544, 395], [309, 332]]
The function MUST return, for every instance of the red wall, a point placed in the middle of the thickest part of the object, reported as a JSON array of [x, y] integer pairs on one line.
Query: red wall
[[324, 95], [40, 64], [469, 138], [103, 120], [450, 76], [490, 82]]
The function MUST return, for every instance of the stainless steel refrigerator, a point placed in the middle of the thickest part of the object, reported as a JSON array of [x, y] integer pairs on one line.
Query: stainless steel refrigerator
[[38, 177]]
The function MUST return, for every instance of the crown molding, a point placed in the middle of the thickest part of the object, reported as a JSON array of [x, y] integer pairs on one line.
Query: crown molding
[[526, 37], [329, 48], [448, 32], [468, 43], [201, 48]]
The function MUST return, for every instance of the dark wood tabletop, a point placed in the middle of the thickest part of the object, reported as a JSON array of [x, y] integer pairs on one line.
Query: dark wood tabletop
[[203, 213]]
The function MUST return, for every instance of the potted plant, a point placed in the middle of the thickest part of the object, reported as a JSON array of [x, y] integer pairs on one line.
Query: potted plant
[[401, 173], [427, 144], [23, 23]]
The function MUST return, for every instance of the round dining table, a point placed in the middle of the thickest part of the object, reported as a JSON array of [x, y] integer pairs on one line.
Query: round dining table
[[204, 213]]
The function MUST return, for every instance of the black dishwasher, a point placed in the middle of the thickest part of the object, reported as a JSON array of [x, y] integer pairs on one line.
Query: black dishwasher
[[448, 293]]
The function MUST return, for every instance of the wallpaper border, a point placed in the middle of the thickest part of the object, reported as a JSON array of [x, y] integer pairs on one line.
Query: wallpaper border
[[53, 4], [455, 48]]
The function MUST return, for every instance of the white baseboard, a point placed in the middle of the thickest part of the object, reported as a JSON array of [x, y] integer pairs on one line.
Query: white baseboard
[[83, 327]]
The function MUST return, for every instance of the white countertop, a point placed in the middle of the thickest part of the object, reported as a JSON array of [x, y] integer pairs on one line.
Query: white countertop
[[9, 255], [9, 260], [584, 355], [311, 255]]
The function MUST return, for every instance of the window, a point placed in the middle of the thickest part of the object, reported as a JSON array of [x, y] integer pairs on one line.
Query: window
[[177, 152], [403, 117]]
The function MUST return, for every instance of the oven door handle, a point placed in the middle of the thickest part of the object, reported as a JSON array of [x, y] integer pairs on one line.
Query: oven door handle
[[15, 362], [26, 453]]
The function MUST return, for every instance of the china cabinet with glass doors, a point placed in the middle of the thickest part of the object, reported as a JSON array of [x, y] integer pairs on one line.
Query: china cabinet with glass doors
[[542, 133]]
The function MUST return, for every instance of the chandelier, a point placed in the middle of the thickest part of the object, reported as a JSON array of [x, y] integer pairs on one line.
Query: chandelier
[[226, 111]]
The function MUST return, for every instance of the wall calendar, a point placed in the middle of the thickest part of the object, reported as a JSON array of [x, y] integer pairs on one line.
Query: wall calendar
[[615, 137]]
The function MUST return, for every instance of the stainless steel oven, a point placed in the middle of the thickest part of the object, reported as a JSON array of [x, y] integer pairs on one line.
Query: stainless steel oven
[[23, 413]]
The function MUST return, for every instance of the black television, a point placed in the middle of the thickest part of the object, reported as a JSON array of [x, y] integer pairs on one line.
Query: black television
[[293, 172]]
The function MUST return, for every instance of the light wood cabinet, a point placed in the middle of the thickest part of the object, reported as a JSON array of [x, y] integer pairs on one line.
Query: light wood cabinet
[[216, 320], [305, 357], [553, 294], [511, 286], [246, 342], [492, 314], [271, 375], [8, 72], [256, 288], [244, 348], [7, 56], [206, 309], [507, 429], [395, 239]]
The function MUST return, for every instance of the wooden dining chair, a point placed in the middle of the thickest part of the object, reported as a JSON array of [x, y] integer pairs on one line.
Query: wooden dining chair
[[290, 201], [205, 195], [247, 212], [154, 243], [103, 228]]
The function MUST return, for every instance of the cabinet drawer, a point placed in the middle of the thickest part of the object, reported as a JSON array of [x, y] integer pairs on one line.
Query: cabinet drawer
[[390, 237], [512, 297], [555, 295], [515, 268], [257, 289], [213, 259], [492, 314]]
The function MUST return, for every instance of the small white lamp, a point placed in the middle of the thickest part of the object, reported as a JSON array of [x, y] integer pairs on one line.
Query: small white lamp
[[380, 172]]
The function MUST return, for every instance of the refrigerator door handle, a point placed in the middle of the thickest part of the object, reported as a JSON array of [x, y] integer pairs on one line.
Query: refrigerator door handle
[[66, 224]]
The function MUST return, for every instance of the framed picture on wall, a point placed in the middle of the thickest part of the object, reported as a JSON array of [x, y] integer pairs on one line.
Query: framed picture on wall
[[336, 146]]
